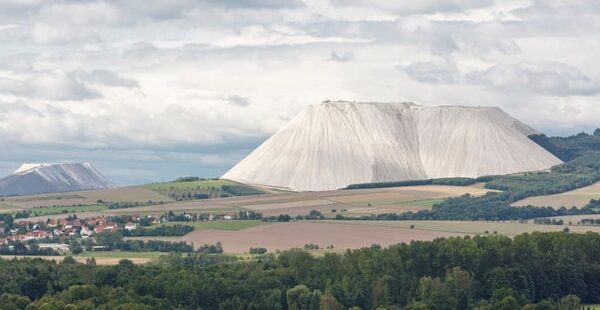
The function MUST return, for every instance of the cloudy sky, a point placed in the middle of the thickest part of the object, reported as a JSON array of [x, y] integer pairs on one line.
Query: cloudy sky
[[155, 89]]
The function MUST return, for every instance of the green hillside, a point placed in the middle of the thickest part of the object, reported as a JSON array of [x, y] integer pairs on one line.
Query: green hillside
[[190, 188]]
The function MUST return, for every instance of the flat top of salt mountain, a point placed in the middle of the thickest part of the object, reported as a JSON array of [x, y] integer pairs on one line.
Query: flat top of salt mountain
[[337, 143]]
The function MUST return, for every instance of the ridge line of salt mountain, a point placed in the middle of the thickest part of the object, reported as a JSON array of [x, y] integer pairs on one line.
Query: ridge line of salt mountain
[[25, 167], [47, 178], [337, 143]]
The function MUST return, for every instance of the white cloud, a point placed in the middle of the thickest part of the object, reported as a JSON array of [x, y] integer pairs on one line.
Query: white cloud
[[55, 85], [192, 82]]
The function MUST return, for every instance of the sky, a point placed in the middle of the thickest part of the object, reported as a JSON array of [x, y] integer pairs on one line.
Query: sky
[[157, 89]]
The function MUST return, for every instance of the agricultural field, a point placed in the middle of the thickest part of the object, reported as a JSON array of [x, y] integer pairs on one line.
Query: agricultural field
[[43, 211], [202, 189], [102, 258], [355, 234], [229, 225], [122, 194], [347, 202], [281, 236], [576, 198]]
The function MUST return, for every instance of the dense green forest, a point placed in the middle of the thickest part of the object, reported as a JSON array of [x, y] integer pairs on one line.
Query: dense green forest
[[535, 271], [568, 148]]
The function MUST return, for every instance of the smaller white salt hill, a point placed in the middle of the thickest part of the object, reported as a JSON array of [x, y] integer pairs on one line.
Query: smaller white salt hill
[[35, 178], [335, 144]]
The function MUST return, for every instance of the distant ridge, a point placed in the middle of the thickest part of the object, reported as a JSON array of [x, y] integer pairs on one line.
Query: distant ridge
[[32, 178], [334, 144]]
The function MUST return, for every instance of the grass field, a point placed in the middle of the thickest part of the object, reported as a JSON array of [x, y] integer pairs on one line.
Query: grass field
[[123, 254], [67, 210], [577, 198], [124, 194], [165, 187], [102, 258], [231, 225], [202, 189]]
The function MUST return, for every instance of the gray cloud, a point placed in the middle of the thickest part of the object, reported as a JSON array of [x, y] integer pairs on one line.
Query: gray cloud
[[431, 72], [48, 85], [107, 78], [343, 57], [416, 7], [238, 100], [543, 78]]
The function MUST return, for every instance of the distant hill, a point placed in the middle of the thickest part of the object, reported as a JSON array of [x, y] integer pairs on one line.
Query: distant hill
[[334, 144], [191, 188], [49, 178]]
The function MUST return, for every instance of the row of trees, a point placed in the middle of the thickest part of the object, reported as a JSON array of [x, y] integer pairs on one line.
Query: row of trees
[[164, 230], [19, 248], [114, 241], [441, 181], [534, 271]]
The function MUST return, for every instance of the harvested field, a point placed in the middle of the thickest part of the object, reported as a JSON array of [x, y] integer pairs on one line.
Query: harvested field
[[577, 198], [281, 236], [473, 227], [355, 234]]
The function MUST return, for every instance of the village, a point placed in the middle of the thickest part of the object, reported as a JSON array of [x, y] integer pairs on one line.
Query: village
[[58, 235]]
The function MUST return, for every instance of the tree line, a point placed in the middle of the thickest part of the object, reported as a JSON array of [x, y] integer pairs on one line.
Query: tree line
[[530, 271], [163, 230]]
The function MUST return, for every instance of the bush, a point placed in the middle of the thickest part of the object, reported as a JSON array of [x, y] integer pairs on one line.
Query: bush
[[258, 251]]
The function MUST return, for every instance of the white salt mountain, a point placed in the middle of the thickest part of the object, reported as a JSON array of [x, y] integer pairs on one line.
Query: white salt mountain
[[49, 178], [334, 144]]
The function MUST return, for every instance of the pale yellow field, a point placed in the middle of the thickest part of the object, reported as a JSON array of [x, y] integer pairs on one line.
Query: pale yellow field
[[577, 198]]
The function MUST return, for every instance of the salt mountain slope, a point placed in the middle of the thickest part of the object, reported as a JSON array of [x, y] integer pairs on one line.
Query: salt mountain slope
[[48, 178], [334, 144]]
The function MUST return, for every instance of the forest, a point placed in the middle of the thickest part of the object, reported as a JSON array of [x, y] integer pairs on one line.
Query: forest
[[529, 271]]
